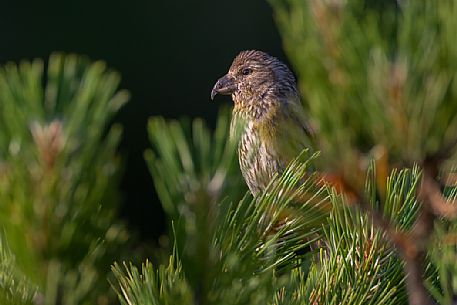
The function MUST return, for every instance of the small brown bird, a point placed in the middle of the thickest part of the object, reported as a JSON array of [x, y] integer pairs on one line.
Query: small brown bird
[[275, 128]]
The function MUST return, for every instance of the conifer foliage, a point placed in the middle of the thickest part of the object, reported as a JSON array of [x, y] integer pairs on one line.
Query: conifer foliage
[[379, 83], [369, 218], [58, 181]]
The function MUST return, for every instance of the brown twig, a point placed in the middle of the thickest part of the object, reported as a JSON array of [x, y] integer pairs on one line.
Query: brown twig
[[430, 192]]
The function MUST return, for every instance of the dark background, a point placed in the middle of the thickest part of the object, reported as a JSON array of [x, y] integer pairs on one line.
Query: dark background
[[170, 53]]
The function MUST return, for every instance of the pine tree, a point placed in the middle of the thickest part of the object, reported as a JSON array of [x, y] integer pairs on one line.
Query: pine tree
[[379, 83]]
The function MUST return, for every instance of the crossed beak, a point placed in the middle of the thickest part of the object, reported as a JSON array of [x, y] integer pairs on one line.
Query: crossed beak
[[225, 85]]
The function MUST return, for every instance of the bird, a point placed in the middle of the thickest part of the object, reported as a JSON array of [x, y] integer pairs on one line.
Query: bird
[[268, 109]]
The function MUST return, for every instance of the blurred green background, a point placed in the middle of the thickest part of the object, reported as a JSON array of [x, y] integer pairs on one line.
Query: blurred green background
[[169, 54]]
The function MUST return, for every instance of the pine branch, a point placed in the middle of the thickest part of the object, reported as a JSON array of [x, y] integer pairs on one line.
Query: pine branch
[[230, 252], [59, 174], [399, 92]]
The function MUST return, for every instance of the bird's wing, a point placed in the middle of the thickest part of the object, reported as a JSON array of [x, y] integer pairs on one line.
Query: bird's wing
[[289, 132]]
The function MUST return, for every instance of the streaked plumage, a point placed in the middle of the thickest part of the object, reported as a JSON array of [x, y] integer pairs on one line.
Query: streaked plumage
[[267, 106]]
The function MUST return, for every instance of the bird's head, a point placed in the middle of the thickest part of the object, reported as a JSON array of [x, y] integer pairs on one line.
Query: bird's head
[[256, 80]]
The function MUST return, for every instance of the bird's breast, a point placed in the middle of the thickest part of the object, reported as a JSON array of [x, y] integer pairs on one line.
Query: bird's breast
[[258, 158]]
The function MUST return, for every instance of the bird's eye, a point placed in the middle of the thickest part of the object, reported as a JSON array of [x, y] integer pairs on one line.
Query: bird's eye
[[246, 71]]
